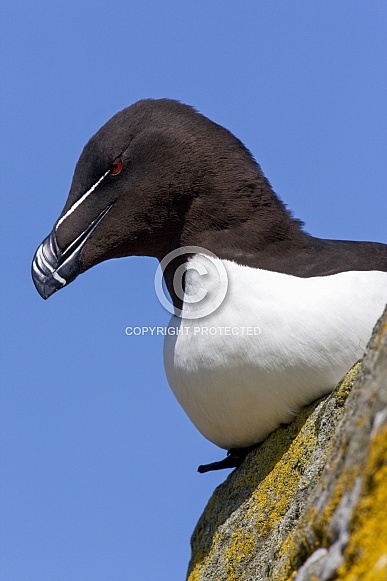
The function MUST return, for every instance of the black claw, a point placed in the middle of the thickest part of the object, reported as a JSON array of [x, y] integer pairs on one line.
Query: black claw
[[234, 459]]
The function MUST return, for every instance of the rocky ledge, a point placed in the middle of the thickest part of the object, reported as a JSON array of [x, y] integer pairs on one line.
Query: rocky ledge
[[310, 504]]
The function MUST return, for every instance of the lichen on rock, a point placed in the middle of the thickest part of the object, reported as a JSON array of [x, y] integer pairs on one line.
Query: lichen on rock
[[310, 502]]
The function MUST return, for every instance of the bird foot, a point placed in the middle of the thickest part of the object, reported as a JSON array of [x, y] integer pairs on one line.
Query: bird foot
[[234, 459]]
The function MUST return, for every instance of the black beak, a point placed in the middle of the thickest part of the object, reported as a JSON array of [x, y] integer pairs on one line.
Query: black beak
[[52, 269]]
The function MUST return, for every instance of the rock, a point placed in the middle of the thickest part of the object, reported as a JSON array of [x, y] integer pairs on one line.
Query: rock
[[310, 504]]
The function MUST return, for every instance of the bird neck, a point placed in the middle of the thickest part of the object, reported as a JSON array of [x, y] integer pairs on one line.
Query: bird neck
[[243, 221]]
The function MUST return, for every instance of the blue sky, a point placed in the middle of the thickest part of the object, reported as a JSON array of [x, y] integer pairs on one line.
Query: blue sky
[[98, 477]]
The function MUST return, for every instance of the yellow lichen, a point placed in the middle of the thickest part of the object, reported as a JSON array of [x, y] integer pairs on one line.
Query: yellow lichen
[[381, 335], [320, 524], [279, 467], [198, 566], [271, 500], [203, 558], [345, 386], [365, 557], [296, 547], [239, 553]]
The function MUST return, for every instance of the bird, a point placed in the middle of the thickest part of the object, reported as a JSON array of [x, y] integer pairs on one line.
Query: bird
[[295, 311]]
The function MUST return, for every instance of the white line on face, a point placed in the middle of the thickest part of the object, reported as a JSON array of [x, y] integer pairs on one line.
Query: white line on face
[[82, 199], [44, 265], [59, 278]]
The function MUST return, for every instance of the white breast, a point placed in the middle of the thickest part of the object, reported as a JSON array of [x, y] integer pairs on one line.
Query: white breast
[[276, 343]]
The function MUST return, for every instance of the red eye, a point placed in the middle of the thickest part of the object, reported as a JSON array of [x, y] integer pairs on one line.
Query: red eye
[[116, 166]]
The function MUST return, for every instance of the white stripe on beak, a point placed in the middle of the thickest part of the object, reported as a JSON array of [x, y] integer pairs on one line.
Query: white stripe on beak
[[82, 199]]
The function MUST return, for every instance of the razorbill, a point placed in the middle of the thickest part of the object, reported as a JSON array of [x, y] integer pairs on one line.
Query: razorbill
[[160, 178]]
